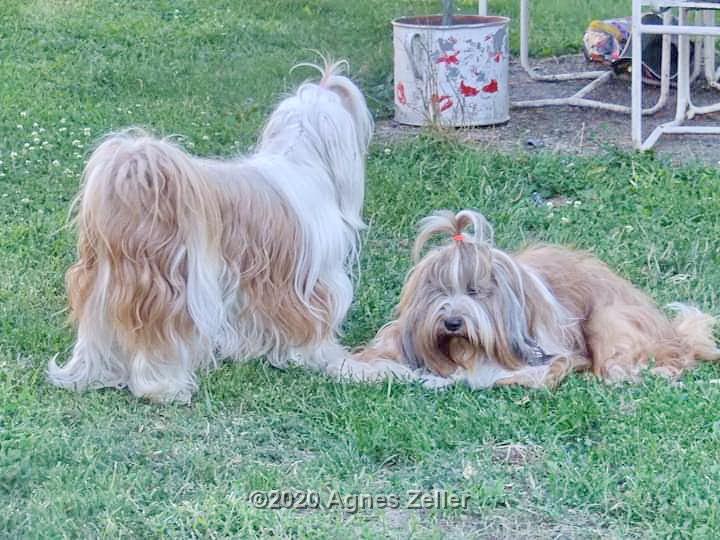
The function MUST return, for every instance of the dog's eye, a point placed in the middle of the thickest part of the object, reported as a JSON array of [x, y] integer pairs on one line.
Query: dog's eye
[[478, 291]]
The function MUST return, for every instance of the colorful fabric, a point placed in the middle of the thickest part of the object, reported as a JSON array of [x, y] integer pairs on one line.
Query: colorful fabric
[[608, 42]]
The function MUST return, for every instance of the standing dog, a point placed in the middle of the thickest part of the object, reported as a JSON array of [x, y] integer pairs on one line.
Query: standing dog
[[184, 260], [470, 311]]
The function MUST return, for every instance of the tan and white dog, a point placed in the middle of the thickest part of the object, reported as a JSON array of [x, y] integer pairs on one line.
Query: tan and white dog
[[184, 260], [472, 312]]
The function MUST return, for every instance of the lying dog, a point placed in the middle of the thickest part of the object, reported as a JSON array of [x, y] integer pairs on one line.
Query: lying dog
[[472, 312]]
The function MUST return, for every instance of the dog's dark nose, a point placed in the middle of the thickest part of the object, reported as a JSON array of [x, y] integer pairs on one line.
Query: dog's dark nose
[[453, 324]]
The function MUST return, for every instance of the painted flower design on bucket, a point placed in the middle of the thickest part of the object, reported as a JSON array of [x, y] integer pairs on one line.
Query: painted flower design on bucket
[[443, 103], [468, 67], [400, 93], [467, 90], [457, 76], [491, 87]]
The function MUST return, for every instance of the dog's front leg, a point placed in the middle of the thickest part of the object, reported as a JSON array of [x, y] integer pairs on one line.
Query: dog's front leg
[[547, 376], [333, 359]]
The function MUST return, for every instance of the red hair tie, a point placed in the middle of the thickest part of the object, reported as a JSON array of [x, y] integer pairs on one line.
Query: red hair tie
[[458, 237]]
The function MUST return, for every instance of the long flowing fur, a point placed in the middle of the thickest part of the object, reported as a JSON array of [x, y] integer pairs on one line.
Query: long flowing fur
[[473, 312], [184, 260]]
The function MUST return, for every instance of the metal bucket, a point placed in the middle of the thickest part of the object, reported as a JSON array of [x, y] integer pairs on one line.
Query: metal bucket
[[451, 75]]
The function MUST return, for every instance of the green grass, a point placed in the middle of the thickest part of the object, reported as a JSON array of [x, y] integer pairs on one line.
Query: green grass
[[595, 460]]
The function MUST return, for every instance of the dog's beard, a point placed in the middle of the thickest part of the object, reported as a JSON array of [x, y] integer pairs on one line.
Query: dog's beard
[[459, 350]]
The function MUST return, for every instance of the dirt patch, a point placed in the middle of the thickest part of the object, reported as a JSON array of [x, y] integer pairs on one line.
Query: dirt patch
[[580, 130], [516, 454]]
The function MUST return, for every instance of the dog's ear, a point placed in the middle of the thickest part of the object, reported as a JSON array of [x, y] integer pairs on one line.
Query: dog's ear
[[453, 226], [407, 346], [513, 338]]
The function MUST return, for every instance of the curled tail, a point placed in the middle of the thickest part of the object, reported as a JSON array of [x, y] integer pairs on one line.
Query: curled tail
[[695, 328], [149, 258]]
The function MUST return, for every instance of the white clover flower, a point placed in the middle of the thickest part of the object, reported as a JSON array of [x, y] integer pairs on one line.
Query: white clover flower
[[62, 129], [23, 113], [62, 120], [19, 126], [564, 220], [55, 163], [36, 140], [13, 155], [205, 138]]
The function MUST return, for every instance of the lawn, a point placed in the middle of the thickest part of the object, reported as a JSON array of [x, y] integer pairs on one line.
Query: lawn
[[585, 461]]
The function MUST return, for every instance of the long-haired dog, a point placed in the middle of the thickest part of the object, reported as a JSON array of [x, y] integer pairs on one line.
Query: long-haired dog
[[185, 260], [470, 311]]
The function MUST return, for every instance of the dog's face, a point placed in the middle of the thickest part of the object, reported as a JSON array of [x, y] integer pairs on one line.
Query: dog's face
[[463, 302]]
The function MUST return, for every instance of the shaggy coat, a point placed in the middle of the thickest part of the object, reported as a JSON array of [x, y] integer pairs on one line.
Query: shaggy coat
[[183, 261], [470, 311]]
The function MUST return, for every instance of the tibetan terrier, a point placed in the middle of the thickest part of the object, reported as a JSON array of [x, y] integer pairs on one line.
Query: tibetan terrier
[[184, 260], [472, 312]]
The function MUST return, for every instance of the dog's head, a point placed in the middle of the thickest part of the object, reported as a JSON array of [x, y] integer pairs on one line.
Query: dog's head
[[326, 124], [465, 301]]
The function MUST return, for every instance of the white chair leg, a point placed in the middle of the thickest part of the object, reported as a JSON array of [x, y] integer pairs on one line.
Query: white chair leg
[[482, 7], [664, 69], [709, 51], [525, 53], [683, 85], [636, 42]]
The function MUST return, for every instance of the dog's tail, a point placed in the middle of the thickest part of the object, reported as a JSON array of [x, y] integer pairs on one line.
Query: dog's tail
[[149, 230], [695, 328]]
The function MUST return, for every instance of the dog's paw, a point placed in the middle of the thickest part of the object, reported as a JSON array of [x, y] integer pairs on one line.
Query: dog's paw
[[376, 371], [435, 382]]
